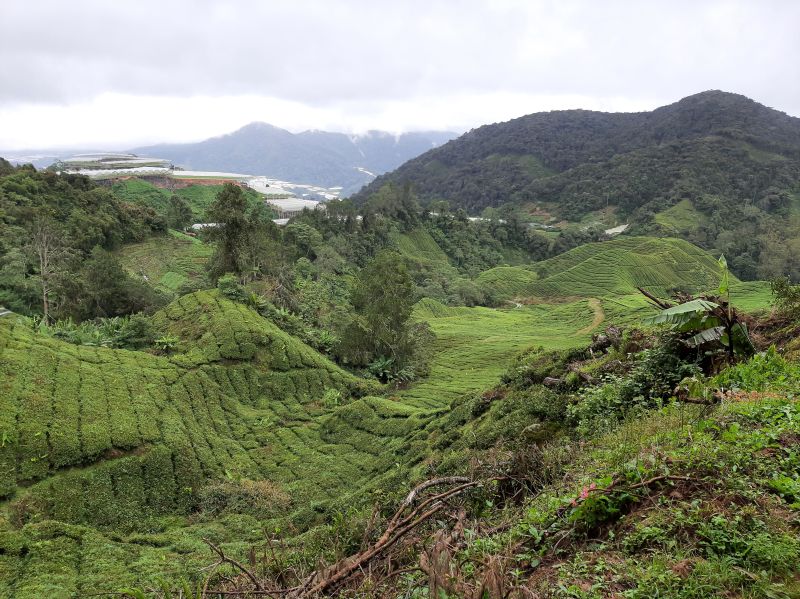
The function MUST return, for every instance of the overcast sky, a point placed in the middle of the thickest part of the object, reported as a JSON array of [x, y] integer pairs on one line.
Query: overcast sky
[[115, 74]]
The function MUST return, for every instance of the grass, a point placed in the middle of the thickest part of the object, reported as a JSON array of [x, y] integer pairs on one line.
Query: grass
[[167, 261], [683, 501], [721, 526]]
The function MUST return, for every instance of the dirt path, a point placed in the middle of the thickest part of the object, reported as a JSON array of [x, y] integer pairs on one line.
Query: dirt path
[[599, 316]]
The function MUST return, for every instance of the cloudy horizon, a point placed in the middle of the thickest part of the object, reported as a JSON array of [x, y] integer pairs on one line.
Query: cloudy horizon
[[119, 75]]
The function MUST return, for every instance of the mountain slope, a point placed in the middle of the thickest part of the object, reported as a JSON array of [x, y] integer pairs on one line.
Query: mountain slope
[[317, 157], [578, 145]]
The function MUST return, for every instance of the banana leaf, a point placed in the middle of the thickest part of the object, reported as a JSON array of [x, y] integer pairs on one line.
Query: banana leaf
[[682, 314], [706, 336], [741, 339]]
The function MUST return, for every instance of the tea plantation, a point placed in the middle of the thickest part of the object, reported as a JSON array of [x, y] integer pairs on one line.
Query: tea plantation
[[167, 261], [116, 464]]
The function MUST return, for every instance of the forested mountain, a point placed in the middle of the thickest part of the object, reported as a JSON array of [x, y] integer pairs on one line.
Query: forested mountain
[[317, 157], [537, 146], [715, 167]]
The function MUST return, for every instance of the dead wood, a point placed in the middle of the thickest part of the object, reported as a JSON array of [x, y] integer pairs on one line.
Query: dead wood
[[400, 525], [663, 304]]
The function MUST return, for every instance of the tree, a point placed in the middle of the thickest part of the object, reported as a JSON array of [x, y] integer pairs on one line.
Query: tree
[[229, 213], [179, 214], [305, 238], [381, 329], [49, 251], [106, 290]]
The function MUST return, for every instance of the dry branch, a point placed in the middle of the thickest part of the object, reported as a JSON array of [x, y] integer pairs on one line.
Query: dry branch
[[663, 304], [399, 526], [225, 559]]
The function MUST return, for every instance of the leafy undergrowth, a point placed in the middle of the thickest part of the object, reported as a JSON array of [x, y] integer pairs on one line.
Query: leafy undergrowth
[[685, 501], [679, 504]]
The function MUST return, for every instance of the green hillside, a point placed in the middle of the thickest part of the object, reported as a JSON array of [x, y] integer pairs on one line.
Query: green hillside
[[119, 463], [611, 271], [130, 442], [113, 444], [419, 245], [167, 261], [511, 160], [198, 197], [619, 266], [474, 345], [506, 282]]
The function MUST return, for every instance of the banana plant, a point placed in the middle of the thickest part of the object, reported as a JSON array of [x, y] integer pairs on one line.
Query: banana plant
[[705, 322]]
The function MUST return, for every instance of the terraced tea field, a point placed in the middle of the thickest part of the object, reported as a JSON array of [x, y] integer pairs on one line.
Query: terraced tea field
[[167, 261], [618, 267], [474, 345], [506, 282], [101, 446], [107, 456]]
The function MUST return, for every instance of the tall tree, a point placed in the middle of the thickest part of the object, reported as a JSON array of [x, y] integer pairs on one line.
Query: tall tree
[[179, 214], [381, 329], [229, 213], [49, 251]]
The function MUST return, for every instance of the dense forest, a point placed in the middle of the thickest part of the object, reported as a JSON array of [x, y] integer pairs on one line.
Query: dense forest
[[56, 234]]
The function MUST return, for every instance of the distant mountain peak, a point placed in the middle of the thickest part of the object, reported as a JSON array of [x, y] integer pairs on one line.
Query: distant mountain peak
[[323, 158]]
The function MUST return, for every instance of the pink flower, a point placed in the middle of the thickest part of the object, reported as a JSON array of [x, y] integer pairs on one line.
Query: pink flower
[[586, 490]]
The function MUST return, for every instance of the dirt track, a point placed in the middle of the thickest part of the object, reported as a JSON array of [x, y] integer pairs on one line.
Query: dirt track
[[599, 315]]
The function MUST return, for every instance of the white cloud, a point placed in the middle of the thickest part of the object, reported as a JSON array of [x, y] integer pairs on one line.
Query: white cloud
[[127, 72]]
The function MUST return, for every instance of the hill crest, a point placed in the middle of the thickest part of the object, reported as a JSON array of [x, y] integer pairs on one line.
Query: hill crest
[[461, 171]]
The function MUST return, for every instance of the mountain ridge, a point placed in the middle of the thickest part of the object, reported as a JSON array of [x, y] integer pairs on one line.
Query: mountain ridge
[[317, 157], [565, 139]]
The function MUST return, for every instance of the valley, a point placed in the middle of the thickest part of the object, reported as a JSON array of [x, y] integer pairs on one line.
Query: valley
[[395, 396]]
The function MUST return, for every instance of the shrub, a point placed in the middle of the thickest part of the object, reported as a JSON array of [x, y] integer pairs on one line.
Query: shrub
[[654, 376], [228, 285], [260, 499], [786, 296], [767, 370]]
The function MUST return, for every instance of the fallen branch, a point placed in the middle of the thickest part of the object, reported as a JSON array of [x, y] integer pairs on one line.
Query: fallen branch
[[663, 304], [398, 527], [225, 559]]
